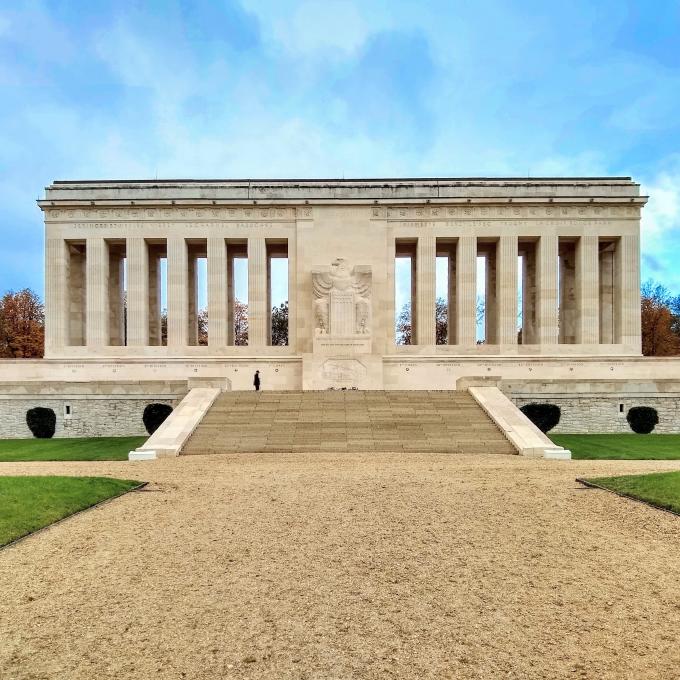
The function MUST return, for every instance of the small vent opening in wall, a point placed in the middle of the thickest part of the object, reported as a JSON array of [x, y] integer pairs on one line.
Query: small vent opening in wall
[[621, 409], [67, 410]]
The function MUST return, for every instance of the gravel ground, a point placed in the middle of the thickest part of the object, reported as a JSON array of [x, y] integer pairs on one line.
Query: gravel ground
[[351, 566]]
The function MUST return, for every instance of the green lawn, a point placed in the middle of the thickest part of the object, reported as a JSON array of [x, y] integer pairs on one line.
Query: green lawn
[[30, 503], [85, 448], [620, 446], [660, 488]]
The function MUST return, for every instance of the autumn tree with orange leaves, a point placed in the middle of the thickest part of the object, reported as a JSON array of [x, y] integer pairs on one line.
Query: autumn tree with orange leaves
[[659, 321], [22, 325]]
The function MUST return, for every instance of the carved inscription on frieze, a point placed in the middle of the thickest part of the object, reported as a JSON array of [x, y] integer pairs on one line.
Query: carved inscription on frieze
[[162, 226], [220, 213], [441, 212], [438, 212]]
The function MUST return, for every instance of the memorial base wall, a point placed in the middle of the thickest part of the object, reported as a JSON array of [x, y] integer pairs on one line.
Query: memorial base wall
[[96, 409], [107, 397], [589, 406], [603, 414]]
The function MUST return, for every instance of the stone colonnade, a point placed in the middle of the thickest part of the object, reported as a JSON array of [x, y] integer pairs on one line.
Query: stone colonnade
[[575, 290], [85, 290]]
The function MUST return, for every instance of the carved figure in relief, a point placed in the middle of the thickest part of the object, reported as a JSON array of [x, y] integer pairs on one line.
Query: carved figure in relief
[[342, 299]]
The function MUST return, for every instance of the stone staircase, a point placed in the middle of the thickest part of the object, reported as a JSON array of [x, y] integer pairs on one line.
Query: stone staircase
[[341, 421]]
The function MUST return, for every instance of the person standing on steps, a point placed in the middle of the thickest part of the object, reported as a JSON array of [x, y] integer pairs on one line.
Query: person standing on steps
[[256, 381]]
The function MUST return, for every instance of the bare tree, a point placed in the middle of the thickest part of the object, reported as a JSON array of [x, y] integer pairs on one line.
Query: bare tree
[[280, 324], [404, 326]]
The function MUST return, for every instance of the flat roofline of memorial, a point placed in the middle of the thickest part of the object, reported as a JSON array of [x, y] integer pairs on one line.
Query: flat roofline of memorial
[[336, 191], [371, 180]]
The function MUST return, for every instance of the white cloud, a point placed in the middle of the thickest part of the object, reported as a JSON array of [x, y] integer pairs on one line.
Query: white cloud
[[660, 228], [313, 26]]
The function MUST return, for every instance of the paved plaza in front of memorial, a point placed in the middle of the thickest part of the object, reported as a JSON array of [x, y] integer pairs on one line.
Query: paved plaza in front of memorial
[[347, 566]]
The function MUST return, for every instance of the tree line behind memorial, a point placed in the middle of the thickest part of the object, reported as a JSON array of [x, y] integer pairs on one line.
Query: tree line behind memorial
[[22, 323]]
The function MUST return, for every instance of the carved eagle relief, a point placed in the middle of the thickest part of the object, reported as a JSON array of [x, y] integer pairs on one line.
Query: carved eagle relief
[[343, 279]]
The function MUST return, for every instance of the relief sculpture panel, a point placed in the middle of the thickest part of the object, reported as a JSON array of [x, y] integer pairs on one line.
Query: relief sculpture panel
[[342, 299], [342, 308]]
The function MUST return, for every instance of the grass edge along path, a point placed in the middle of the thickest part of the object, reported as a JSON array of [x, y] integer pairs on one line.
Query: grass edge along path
[[31, 503], [661, 490], [67, 449], [620, 446]]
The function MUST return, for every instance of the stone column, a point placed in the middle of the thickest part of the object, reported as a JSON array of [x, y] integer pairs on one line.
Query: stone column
[[178, 293], [192, 295], [257, 292], [56, 294], [77, 295], [452, 298], [506, 289], [529, 294], [155, 330], [97, 292], [628, 292], [217, 292], [466, 291], [426, 255], [587, 287], [137, 292], [116, 293], [568, 303], [414, 298], [546, 289], [292, 293], [491, 300], [268, 305], [231, 303], [606, 296]]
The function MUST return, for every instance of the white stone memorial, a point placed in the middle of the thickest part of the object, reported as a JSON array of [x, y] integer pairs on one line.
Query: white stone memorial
[[560, 259]]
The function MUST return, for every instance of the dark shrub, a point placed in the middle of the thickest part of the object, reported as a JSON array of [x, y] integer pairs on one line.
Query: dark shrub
[[41, 422], [543, 416], [154, 416], [642, 419]]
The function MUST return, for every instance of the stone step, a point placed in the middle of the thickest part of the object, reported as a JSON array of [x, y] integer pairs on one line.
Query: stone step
[[346, 421]]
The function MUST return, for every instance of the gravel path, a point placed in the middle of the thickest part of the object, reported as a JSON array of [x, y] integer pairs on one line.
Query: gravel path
[[351, 566]]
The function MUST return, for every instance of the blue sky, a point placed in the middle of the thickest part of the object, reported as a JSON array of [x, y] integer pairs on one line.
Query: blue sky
[[220, 88]]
